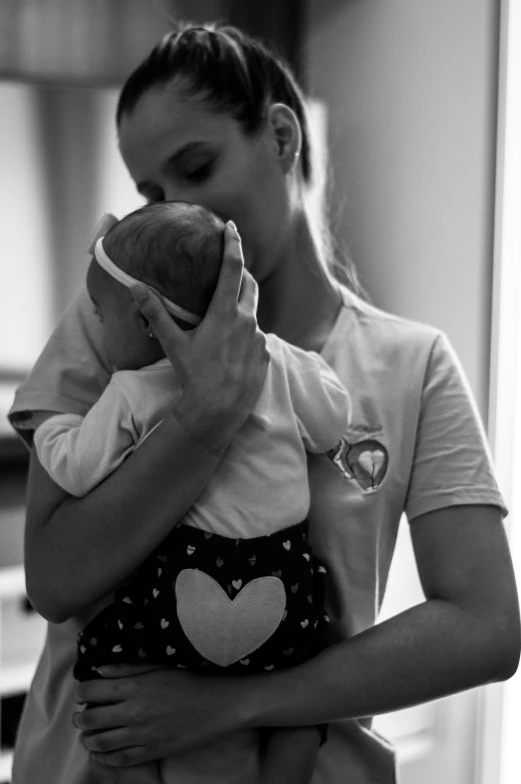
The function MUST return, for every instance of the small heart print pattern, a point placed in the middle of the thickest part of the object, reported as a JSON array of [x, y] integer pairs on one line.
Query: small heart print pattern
[[141, 653], [294, 588], [138, 625], [252, 560], [304, 623], [162, 558], [93, 641], [278, 573], [270, 667], [310, 599], [190, 549], [169, 650], [208, 535], [82, 648], [117, 649], [159, 571], [155, 593], [120, 625], [244, 661], [236, 584], [306, 556], [286, 545], [219, 562], [164, 623], [127, 600], [288, 652], [321, 570]]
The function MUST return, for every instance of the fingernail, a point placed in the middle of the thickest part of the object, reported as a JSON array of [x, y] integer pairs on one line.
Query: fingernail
[[232, 225], [136, 292]]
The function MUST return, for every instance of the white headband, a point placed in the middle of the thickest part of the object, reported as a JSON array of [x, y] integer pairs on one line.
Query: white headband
[[96, 247]]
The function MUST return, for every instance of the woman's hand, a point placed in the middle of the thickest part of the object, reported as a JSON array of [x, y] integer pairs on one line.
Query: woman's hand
[[139, 713], [222, 363]]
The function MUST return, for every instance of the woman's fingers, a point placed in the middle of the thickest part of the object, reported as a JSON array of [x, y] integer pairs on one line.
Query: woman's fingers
[[95, 719], [249, 293], [127, 670], [151, 306], [228, 286]]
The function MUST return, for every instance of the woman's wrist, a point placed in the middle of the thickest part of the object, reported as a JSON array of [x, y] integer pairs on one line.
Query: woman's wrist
[[211, 428]]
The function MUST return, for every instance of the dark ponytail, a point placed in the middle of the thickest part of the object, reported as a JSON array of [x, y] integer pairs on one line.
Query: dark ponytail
[[237, 75]]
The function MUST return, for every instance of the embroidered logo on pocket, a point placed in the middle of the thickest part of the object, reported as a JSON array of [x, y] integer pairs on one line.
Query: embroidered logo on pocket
[[365, 462]]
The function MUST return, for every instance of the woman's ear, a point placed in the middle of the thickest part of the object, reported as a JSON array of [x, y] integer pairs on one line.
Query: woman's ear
[[286, 134]]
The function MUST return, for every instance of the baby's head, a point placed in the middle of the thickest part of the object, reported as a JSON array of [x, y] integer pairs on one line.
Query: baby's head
[[175, 247]]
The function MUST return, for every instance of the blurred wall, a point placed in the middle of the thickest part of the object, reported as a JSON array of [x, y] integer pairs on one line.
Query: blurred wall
[[411, 91]]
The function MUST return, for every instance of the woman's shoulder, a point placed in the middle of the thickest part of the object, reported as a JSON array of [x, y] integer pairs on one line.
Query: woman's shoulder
[[394, 355], [373, 330]]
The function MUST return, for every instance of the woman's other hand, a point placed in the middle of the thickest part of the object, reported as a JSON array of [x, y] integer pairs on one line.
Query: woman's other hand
[[222, 363], [137, 714]]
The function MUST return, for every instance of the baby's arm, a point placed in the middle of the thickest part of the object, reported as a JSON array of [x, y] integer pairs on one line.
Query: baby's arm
[[79, 452], [291, 755], [320, 401]]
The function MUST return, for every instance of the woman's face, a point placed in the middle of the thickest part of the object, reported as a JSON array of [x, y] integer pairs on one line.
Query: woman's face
[[179, 149]]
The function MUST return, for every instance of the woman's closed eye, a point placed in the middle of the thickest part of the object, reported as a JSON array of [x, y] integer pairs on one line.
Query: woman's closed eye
[[199, 172]]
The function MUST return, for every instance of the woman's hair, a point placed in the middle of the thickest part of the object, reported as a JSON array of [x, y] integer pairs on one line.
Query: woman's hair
[[236, 74], [174, 246]]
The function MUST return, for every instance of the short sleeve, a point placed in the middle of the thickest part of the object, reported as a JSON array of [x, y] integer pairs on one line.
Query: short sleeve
[[321, 404], [69, 375], [452, 463], [80, 452]]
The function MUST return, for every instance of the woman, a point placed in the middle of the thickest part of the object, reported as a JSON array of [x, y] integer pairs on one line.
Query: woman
[[211, 117]]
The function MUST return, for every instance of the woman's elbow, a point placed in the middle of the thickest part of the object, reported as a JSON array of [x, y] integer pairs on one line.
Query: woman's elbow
[[504, 634], [510, 653], [46, 603]]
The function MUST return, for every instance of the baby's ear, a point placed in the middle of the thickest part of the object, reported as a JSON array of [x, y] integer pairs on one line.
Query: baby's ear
[[141, 321]]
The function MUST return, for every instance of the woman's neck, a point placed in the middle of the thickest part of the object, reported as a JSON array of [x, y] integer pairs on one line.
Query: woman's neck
[[300, 301]]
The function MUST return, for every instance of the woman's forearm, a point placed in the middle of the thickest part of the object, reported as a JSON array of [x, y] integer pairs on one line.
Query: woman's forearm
[[89, 545], [428, 652]]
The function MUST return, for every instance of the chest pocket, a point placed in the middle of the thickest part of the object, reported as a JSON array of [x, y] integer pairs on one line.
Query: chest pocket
[[361, 459]]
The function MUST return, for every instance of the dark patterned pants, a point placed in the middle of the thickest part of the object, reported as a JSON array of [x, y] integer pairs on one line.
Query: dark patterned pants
[[215, 604]]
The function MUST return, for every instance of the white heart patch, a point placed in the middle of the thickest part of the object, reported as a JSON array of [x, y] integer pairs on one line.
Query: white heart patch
[[225, 631], [372, 460]]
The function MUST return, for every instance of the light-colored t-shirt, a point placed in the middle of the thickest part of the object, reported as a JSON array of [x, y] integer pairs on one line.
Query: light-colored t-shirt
[[261, 483], [415, 444]]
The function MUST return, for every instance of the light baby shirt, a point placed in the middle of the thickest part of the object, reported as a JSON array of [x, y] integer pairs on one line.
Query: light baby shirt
[[415, 443], [260, 485]]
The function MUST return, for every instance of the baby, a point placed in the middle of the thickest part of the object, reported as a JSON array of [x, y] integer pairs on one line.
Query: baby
[[234, 588]]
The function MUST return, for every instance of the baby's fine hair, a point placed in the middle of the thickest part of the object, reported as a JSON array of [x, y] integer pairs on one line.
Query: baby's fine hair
[[174, 246]]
